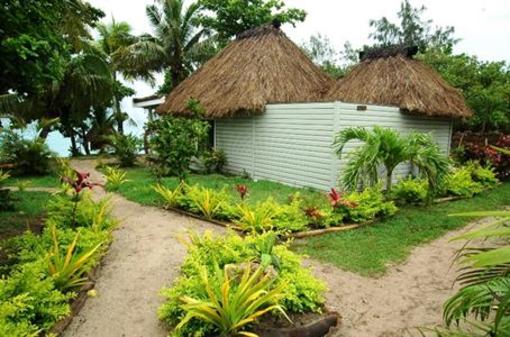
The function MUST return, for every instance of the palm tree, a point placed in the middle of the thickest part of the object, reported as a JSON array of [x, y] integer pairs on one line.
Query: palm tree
[[113, 39], [386, 147], [171, 47], [481, 307]]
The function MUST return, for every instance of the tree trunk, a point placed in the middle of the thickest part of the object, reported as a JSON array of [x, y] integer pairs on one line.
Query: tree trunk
[[44, 133], [388, 180], [85, 143], [118, 116], [74, 148]]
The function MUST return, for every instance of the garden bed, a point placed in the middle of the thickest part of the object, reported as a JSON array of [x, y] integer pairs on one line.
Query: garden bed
[[53, 269], [371, 250]]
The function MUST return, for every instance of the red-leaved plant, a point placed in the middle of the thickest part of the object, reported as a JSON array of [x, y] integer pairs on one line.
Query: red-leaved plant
[[78, 183], [336, 200], [242, 190], [313, 213]]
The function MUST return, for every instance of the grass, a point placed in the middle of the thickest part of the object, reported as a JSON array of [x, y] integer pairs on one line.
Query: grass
[[30, 209], [139, 186], [35, 181], [371, 250]]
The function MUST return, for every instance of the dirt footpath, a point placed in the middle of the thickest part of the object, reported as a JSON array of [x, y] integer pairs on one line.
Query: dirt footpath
[[145, 256], [410, 295]]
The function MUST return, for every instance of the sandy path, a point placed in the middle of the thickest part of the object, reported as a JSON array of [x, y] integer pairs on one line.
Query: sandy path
[[144, 256], [410, 295]]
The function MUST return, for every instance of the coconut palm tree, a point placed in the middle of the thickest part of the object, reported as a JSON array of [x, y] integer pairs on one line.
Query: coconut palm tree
[[386, 147], [170, 48], [113, 39]]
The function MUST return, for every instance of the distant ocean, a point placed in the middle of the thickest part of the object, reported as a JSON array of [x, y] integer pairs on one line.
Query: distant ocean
[[61, 145]]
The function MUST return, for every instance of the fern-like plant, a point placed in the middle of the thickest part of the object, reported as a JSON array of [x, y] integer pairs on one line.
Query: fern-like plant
[[233, 303]]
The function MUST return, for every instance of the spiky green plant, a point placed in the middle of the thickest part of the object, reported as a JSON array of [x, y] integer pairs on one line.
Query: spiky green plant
[[115, 178], [233, 303], [258, 218], [386, 147], [207, 201], [68, 270], [4, 176], [170, 197]]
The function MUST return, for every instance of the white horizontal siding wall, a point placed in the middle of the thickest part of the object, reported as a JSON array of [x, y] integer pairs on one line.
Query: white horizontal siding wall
[[292, 143]]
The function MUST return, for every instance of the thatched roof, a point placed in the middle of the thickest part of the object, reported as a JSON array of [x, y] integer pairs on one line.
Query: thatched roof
[[261, 66], [391, 77]]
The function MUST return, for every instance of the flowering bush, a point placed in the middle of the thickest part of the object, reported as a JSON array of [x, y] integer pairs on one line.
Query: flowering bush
[[487, 155]]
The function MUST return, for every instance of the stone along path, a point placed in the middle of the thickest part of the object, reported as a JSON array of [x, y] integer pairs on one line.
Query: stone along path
[[145, 256]]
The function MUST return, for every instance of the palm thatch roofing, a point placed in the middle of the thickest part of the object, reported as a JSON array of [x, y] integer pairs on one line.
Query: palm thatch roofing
[[259, 67], [391, 77]]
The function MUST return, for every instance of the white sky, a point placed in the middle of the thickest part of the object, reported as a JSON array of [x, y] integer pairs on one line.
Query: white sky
[[482, 26]]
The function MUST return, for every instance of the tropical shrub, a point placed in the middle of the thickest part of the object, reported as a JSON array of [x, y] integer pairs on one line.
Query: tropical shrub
[[481, 306], [62, 210], [460, 183], [22, 185], [37, 290], [206, 201], [68, 268], [370, 204], [6, 199], [386, 147], [300, 291], [488, 155], [171, 198], [258, 218], [233, 301], [29, 156], [30, 302], [483, 175], [174, 142], [291, 217], [214, 160], [410, 191], [125, 148], [115, 178]]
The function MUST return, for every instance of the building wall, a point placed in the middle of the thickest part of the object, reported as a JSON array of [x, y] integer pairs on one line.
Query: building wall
[[292, 143]]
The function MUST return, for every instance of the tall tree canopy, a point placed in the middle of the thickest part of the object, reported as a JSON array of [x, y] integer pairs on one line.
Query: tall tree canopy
[[176, 33], [412, 29], [485, 85], [228, 18], [324, 54], [36, 38], [113, 40]]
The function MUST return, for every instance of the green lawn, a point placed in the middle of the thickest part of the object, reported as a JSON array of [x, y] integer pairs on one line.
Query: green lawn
[[30, 209], [139, 189], [36, 181], [371, 250]]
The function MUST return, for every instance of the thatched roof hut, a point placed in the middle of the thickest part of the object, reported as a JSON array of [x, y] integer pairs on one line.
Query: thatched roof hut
[[391, 77], [261, 66]]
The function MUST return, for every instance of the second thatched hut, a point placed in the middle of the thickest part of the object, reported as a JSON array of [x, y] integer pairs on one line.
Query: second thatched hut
[[275, 113]]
